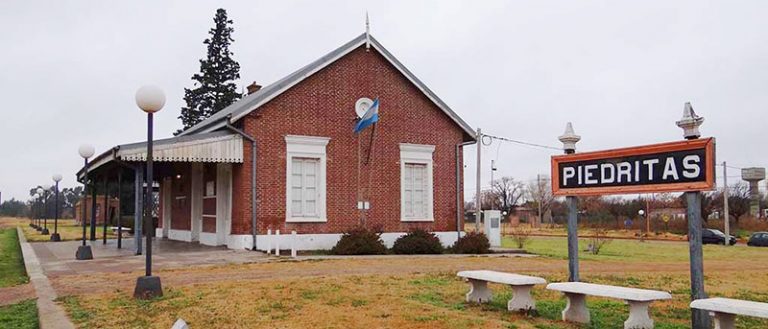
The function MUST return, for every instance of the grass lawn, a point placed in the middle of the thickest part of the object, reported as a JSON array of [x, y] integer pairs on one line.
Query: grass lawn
[[21, 315], [68, 230], [619, 250], [433, 300], [12, 271]]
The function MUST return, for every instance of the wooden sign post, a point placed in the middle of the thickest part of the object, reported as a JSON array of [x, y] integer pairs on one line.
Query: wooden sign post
[[684, 166]]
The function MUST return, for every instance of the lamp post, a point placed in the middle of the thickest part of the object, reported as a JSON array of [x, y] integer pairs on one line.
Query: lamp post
[[33, 210], [40, 210], [55, 236], [641, 214], [46, 190], [150, 99], [84, 251]]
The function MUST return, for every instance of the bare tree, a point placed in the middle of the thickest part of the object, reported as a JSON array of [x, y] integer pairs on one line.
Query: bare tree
[[506, 193], [540, 193]]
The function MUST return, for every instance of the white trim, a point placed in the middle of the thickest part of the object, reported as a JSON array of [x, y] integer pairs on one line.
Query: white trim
[[223, 202], [196, 211], [417, 154], [241, 241], [306, 147], [180, 235], [208, 239], [318, 241]]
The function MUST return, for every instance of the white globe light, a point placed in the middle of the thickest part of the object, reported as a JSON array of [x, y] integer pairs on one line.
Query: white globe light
[[57, 178], [641, 212], [150, 98], [40, 190], [86, 151]]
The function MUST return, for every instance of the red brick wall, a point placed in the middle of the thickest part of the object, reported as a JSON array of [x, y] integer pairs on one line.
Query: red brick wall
[[114, 204], [322, 105]]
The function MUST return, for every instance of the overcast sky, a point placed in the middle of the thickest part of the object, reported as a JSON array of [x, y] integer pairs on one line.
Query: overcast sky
[[619, 70]]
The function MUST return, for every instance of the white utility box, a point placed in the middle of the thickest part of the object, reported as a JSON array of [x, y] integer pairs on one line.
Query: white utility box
[[492, 221]]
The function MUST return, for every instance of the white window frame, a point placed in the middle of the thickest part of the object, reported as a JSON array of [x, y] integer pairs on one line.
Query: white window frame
[[417, 154], [306, 147]]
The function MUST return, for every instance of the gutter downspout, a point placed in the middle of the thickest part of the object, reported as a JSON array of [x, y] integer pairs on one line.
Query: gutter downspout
[[253, 176], [459, 190]]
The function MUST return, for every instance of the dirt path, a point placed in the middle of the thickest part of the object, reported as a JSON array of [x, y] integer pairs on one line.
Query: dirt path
[[15, 294], [82, 284]]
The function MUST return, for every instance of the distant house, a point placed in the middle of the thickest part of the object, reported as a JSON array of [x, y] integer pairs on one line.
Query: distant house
[[312, 174]]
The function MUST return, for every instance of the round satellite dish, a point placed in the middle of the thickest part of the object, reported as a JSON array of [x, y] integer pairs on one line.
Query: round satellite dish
[[362, 105]]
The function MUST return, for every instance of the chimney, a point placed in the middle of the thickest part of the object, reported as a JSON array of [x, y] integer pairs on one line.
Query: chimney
[[253, 87]]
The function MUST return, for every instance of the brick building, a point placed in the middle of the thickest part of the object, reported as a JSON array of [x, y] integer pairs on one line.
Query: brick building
[[114, 204], [312, 174]]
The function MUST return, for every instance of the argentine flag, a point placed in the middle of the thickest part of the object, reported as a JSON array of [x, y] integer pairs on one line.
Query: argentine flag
[[370, 117]]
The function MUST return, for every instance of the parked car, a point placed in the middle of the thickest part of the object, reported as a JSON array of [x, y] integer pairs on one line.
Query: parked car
[[715, 237], [758, 239]]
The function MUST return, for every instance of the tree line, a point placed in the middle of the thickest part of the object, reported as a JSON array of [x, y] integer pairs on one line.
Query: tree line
[[510, 195]]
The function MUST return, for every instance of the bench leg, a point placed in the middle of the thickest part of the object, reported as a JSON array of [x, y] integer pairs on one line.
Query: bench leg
[[638, 316], [576, 309], [724, 320], [478, 291], [521, 299]]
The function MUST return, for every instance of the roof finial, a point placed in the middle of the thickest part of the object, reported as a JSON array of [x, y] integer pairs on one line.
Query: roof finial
[[367, 32]]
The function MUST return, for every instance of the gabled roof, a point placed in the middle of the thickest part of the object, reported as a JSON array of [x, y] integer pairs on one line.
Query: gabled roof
[[253, 101]]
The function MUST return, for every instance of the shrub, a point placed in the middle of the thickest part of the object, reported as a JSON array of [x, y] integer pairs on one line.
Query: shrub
[[418, 241], [360, 241], [472, 243], [598, 240], [521, 235]]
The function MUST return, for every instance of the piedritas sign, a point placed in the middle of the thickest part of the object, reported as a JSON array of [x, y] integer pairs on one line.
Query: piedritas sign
[[668, 167]]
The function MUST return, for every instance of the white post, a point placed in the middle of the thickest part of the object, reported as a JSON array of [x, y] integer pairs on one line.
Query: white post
[[477, 183], [277, 242], [541, 197], [726, 221], [269, 241], [293, 244]]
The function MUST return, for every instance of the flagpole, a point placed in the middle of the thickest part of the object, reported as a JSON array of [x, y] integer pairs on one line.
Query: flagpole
[[370, 149], [359, 193], [370, 169]]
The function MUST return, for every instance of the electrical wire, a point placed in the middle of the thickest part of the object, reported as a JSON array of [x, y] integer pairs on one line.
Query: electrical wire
[[505, 139]]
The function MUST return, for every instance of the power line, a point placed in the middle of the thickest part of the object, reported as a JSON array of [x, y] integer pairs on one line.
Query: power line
[[505, 139]]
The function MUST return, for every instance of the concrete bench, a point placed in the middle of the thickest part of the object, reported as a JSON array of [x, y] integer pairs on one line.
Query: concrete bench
[[521, 288], [638, 300], [724, 310], [125, 230]]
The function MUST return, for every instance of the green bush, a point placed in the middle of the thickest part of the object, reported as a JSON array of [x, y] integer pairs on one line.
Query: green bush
[[418, 241], [360, 241], [472, 243]]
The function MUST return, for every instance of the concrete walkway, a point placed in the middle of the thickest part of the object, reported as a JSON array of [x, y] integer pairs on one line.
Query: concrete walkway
[[50, 314], [58, 258]]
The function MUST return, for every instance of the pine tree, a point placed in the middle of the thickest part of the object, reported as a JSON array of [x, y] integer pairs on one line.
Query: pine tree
[[214, 87]]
